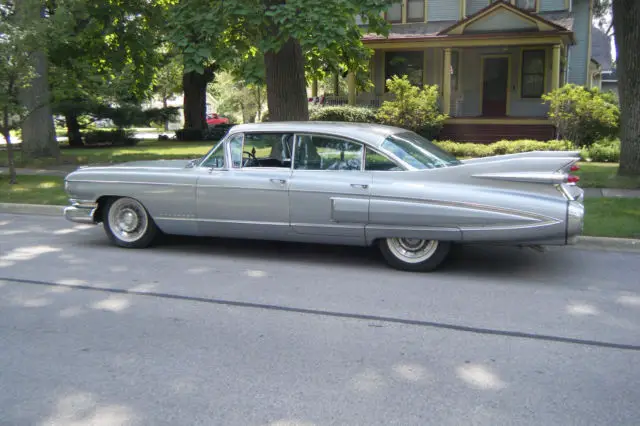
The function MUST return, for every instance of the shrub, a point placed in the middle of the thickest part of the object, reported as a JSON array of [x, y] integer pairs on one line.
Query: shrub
[[119, 137], [413, 108], [605, 151], [348, 113], [190, 135], [460, 149], [216, 133], [583, 115]]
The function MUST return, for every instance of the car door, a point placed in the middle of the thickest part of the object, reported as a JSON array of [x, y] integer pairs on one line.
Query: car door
[[329, 190], [248, 197]]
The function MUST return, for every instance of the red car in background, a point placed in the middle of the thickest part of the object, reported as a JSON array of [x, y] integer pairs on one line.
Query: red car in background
[[215, 119]]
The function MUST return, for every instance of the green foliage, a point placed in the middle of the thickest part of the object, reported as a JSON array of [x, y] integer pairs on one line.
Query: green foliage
[[603, 151], [119, 137], [583, 115], [413, 108], [343, 113], [238, 99], [466, 149]]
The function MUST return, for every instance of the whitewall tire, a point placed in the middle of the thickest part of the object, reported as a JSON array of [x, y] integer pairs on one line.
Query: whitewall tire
[[413, 254], [128, 224]]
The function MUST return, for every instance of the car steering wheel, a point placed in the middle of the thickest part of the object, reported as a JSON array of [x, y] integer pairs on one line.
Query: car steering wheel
[[252, 156]]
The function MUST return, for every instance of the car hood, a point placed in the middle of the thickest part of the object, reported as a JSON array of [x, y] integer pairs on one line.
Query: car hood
[[145, 164]]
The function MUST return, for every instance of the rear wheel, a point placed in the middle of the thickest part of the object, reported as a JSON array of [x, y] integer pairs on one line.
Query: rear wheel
[[128, 224], [413, 254]]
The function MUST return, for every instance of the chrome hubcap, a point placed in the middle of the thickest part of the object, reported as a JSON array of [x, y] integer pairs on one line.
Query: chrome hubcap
[[412, 250], [127, 219]]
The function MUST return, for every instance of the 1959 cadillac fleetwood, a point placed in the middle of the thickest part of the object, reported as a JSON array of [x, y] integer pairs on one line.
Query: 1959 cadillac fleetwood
[[337, 183]]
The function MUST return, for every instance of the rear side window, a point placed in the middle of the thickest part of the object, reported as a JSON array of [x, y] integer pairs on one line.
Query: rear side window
[[378, 162], [319, 152]]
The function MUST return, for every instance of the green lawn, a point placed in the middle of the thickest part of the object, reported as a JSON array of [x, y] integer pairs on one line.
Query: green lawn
[[605, 217], [612, 217], [145, 150], [33, 190], [604, 175]]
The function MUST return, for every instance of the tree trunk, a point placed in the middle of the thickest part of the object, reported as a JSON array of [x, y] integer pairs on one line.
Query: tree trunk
[[286, 83], [336, 84], [7, 136], [38, 130], [195, 98], [626, 15], [73, 130]]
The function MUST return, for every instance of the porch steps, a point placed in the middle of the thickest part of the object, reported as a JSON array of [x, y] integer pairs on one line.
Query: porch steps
[[489, 133]]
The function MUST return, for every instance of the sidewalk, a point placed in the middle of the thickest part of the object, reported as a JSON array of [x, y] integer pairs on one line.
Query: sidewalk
[[62, 171]]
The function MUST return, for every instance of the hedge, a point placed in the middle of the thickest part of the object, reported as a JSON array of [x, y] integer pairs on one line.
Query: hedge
[[604, 151]]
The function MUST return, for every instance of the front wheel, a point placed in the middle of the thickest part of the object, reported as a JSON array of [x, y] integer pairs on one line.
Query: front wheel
[[128, 224], [413, 254]]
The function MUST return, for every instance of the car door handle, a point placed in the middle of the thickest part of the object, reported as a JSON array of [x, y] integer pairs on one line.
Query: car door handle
[[280, 181], [359, 185]]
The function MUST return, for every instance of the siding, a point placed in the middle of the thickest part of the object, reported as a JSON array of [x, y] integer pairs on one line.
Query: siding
[[551, 5], [580, 51], [443, 10], [475, 5], [501, 20]]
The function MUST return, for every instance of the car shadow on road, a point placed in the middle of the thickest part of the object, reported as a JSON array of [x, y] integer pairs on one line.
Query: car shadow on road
[[464, 259]]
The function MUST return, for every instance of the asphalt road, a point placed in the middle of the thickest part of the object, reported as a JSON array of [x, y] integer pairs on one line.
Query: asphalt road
[[219, 332]]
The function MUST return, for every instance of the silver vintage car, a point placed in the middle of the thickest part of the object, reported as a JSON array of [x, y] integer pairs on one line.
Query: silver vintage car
[[337, 183]]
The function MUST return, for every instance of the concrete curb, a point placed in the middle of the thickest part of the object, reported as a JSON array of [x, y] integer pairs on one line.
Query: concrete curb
[[32, 209], [606, 243], [584, 242]]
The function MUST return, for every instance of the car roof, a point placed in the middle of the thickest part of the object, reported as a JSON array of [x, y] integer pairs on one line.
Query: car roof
[[370, 133]]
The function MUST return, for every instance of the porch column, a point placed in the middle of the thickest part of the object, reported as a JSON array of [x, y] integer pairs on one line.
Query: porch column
[[314, 87], [446, 82], [555, 67], [351, 84]]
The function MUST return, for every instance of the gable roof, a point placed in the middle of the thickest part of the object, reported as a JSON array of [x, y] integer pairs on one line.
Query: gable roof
[[541, 23]]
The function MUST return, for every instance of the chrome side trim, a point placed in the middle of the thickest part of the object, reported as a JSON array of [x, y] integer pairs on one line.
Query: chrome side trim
[[133, 182]]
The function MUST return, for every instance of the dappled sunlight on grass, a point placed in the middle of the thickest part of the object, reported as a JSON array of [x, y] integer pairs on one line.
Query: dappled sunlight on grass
[[480, 377], [612, 217], [604, 175], [34, 190]]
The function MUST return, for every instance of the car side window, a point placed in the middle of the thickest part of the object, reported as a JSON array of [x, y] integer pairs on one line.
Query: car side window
[[216, 159], [235, 147], [377, 162], [317, 152]]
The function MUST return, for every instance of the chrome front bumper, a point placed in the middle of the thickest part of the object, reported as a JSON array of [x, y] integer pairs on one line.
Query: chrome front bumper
[[81, 212]]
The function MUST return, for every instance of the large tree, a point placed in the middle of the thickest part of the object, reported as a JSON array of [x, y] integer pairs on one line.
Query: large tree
[[16, 70], [626, 17], [103, 54], [38, 130], [284, 34]]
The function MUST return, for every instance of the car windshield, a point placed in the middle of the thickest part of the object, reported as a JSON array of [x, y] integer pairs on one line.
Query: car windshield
[[417, 151]]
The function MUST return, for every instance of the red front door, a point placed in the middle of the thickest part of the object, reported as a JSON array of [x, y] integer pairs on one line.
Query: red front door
[[495, 86]]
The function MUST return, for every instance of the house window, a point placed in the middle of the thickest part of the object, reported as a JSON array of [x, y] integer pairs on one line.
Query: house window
[[415, 10], [394, 13], [533, 66], [530, 5], [404, 63]]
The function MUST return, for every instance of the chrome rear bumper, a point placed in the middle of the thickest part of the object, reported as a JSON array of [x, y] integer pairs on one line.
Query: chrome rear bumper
[[81, 213], [575, 221]]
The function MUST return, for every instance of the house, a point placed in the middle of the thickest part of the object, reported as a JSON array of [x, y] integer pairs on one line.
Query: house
[[493, 60]]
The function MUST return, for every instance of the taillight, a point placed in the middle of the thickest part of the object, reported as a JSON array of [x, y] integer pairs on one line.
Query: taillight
[[575, 168], [573, 179]]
